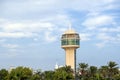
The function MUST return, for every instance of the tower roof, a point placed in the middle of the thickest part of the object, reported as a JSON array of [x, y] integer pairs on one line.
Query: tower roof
[[70, 31]]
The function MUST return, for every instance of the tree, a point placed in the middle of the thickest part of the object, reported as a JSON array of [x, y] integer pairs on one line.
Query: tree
[[82, 70], [103, 71], [117, 77], [20, 73], [48, 75], [26, 73], [64, 73], [110, 71], [113, 69], [107, 72], [93, 72], [3, 74], [37, 75]]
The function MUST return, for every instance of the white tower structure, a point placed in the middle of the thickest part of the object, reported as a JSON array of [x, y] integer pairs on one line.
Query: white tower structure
[[70, 42]]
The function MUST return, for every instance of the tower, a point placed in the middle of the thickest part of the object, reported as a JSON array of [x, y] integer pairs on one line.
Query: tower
[[70, 42]]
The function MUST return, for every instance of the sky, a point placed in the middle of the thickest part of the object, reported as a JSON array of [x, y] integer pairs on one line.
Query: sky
[[30, 32]]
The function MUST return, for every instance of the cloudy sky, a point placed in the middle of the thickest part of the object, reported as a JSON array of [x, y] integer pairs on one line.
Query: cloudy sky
[[30, 31]]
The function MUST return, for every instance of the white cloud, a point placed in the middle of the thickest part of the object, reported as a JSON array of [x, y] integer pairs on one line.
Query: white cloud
[[28, 26], [114, 29], [101, 45], [10, 46], [2, 20], [96, 21], [117, 39], [53, 16], [105, 37], [35, 28], [52, 6], [86, 5], [46, 23], [2, 40], [35, 39], [27, 6], [107, 40], [8, 55], [85, 36], [118, 35], [49, 37], [16, 35]]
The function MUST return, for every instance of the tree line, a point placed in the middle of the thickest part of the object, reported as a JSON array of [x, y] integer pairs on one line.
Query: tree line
[[109, 71]]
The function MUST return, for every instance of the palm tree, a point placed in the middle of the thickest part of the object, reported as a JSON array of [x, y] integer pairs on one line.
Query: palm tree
[[113, 69], [63, 73], [82, 69], [103, 71], [93, 70], [109, 71]]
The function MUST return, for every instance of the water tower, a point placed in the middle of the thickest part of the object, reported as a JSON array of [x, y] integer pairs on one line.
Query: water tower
[[70, 42]]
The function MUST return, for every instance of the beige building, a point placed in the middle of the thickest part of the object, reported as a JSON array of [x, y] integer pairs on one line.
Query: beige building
[[70, 42]]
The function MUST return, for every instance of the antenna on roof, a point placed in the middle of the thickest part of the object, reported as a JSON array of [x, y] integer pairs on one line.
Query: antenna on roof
[[70, 26]]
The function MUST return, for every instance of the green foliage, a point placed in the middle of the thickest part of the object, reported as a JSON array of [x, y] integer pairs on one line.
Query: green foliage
[[36, 77], [3, 74], [84, 72], [107, 72], [20, 73], [64, 73], [93, 71], [48, 75]]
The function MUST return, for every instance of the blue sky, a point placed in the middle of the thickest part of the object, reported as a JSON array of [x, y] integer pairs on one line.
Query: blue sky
[[30, 31]]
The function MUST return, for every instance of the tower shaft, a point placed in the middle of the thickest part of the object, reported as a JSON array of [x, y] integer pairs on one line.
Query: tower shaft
[[71, 57]]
